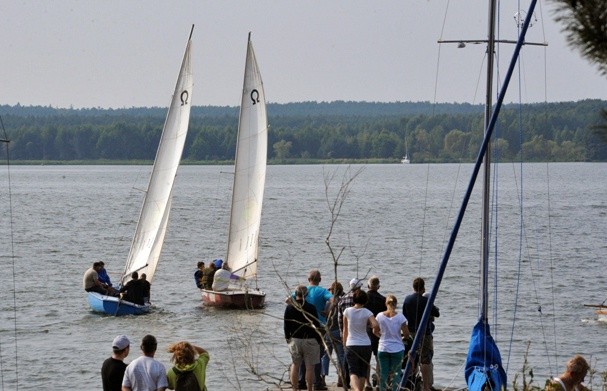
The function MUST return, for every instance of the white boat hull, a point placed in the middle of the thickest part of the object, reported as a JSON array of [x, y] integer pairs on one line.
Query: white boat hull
[[234, 299]]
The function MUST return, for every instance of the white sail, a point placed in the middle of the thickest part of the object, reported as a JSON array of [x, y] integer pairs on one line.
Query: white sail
[[249, 174], [153, 220]]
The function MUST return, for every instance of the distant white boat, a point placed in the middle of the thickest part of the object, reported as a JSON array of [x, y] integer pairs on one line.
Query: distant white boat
[[405, 159]]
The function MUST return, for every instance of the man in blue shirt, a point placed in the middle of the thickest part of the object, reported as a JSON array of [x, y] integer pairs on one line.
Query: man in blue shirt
[[318, 297], [198, 275]]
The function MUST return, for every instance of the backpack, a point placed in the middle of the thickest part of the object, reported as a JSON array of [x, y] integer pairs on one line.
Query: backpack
[[186, 381]]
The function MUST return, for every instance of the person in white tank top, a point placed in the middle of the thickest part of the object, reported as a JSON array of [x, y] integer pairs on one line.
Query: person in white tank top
[[572, 378]]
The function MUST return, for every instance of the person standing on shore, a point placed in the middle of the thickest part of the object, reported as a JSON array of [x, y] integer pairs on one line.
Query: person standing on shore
[[145, 373], [376, 303], [572, 378], [301, 327], [391, 350], [184, 357], [355, 337], [112, 370], [413, 309]]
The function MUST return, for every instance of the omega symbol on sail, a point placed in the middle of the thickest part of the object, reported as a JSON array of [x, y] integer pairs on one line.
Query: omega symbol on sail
[[255, 96], [184, 97]]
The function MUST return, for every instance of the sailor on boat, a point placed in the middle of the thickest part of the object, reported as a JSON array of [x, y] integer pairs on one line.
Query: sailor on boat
[[223, 277], [198, 275], [91, 282], [134, 290]]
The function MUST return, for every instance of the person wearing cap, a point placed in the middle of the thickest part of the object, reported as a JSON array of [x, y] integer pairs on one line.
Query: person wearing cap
[[145, 373], [112, 370], [376, 303], [347, 301], [413, 309]]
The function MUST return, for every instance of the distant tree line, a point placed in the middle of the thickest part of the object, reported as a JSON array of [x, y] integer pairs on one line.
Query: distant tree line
[[310, 131]]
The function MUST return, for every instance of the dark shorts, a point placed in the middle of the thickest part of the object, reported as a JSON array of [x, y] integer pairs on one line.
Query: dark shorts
[[97, 289], [374, 343], [426, 349], [358, 358]]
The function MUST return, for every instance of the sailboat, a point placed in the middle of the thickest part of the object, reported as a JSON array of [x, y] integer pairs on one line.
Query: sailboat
[[405, 159], [483, 368], [146, 246], [247, 196]]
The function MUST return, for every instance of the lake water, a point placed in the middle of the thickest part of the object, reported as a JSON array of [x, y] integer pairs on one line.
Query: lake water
[[394, 223]]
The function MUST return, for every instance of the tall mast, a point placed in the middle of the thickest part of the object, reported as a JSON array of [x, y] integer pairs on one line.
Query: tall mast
[[487, 166]]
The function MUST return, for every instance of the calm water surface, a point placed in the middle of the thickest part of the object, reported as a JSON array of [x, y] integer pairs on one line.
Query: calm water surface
[[394, 223]]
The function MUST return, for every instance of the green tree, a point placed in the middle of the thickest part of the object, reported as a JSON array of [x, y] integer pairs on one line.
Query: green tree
[[585, 22], [282, 149]]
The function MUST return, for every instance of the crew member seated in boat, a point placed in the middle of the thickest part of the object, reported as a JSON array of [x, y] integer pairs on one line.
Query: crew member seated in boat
[[90, 280], [105, 280], [146, 288], [199, 275], [222, 278], [207, 276], [134, 290]]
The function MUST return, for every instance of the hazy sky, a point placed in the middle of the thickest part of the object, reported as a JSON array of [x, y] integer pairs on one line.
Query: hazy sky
[[127, 53]]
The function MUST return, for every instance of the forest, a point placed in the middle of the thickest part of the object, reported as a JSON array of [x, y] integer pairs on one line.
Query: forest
[[309, 132]]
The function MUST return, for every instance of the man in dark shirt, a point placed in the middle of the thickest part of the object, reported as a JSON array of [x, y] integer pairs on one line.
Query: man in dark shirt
[[112, 370], [376, 303], [413, 309], [302, 332], [134, 290], [147, 287]]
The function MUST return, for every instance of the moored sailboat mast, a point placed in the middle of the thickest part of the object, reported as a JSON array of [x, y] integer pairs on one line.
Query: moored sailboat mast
[[478, 371]]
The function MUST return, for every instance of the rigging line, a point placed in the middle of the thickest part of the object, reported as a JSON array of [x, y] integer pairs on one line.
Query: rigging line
[[551, 260], [438, 57], [550, 254], [421, 256], [6, 142]]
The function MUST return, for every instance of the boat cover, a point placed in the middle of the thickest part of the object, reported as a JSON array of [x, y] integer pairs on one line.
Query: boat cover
[[484, 362]]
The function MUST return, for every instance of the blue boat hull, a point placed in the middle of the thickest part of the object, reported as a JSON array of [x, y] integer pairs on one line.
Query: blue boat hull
[[114, 306]]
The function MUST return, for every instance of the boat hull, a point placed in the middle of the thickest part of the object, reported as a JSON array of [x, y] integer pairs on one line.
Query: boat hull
[[234, 299], [601, 314], [114, 306]]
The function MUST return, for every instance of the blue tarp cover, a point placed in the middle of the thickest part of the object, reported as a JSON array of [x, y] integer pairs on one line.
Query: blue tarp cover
[[484, 362]]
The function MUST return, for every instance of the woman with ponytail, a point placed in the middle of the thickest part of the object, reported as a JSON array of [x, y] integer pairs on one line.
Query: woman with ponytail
[[391, 349]]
